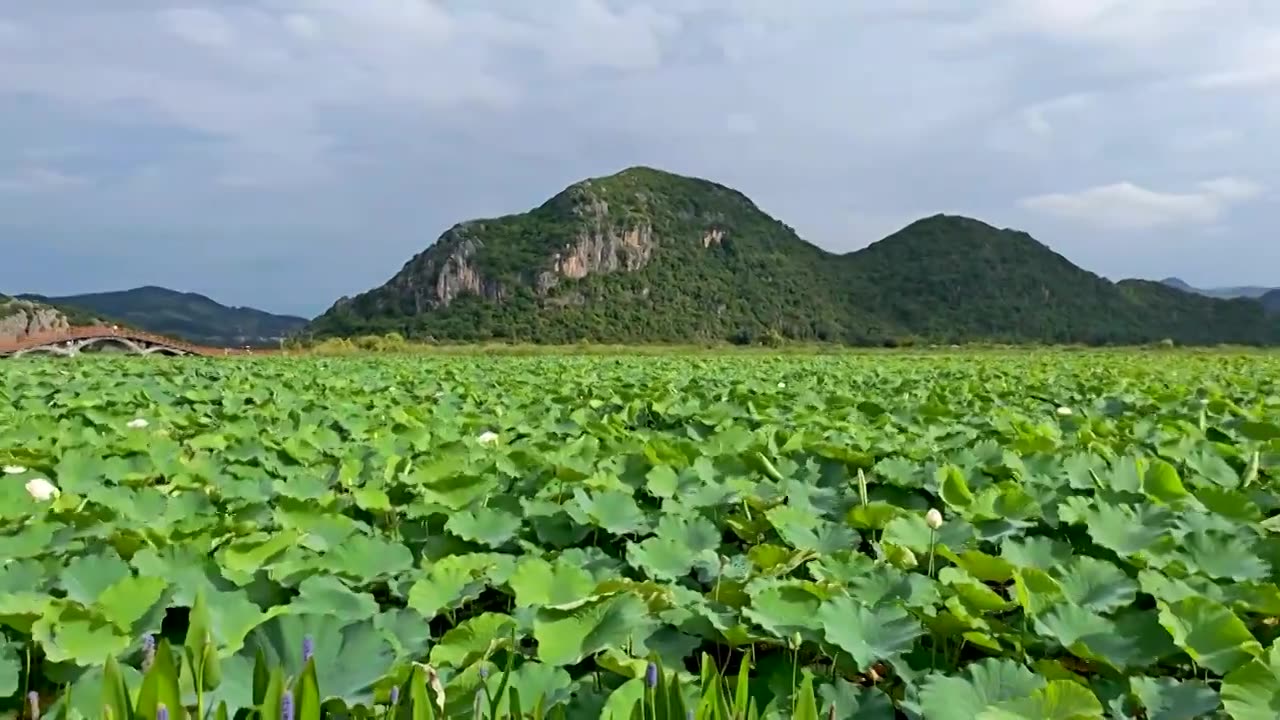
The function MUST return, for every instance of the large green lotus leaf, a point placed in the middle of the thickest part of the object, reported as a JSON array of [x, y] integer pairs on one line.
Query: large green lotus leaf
[[1131, 639], [446, 585], [243, 557], [327, 595], [472, 639], [1096, 584], [1210, 633], [1169, 699], [129, 599], [539, 582], [981, 686], [407, 630], [1125, 530], [350, 656], [854, 702], [1222, 556], [869, 635], [911, 531], [1252, 691], [187, 567], [87, 576], [614, 511], [534, 680], [1058, 700], [365, 558], [680, 545], [1038, 552], [884, 584], [568, 633], [72, 634], [786, 609], [1161, 482], [10, 668], [488, 526]]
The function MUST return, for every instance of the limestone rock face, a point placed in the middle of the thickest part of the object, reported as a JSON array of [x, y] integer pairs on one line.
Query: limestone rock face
[[20, 318]]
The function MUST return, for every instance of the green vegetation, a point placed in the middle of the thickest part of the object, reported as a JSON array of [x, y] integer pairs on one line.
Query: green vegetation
[[1271, 301], [186, 316], [1104, 540], [680, 260]]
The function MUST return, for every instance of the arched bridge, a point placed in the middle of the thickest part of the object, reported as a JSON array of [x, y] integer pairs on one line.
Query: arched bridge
[[71, 342]]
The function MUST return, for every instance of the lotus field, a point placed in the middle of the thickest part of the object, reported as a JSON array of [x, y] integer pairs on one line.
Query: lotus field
[[960, 536]]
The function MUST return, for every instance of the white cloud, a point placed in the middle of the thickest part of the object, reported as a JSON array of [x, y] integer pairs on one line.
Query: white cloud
[[1126, 206]]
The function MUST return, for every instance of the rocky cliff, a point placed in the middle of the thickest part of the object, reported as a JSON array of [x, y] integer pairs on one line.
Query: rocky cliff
[[20, 318], [649, 256]]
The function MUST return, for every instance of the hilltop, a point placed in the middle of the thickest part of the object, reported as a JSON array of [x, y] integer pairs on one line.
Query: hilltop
[[187, 316], [649, 256], [1253, 292]]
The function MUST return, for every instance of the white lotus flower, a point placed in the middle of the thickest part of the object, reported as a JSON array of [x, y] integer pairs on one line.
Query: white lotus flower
[[933, 519], [42, 489], [782, 384], [138, 424], [1064, 411], [488, 437], [14, 469]]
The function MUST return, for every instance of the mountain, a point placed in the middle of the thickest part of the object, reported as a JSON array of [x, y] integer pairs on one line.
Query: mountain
[[649, 256], [1242, 291], [187, 316], [20, 318], [1271, 301]]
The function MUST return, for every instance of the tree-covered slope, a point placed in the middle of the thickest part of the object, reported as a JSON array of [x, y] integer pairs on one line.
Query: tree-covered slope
[[648, 256], [1271, 301], [188, 316]]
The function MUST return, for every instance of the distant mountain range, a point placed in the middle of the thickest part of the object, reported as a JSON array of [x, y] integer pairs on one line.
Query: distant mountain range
[[1243, 291], [650, 256], [186, 316]]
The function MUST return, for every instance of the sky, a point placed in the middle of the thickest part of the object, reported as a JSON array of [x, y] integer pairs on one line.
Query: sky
[[283, 153]]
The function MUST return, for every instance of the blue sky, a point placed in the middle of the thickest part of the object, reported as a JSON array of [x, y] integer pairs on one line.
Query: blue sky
[[281, 153]]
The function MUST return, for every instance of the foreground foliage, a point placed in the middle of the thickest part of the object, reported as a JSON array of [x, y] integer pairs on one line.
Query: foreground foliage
[[1104, 544]]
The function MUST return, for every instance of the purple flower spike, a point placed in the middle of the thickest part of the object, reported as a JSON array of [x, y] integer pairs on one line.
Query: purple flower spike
[[308, 648], [148, 651], [651, 675], [286, 706], [33, 700], [162, 712], [395, 695], [484, 672]]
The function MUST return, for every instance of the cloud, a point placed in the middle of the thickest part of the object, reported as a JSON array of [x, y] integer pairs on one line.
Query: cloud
[[1126, 206], [352, 133]]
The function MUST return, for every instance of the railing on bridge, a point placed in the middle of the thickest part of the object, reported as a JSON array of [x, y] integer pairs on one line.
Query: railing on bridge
[[106, 332]]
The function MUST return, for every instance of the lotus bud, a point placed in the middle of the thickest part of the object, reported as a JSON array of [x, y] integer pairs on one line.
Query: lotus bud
[[42, 490], [1064, 411], [33, 701], [933, 519], [651, 675], [308, 648]]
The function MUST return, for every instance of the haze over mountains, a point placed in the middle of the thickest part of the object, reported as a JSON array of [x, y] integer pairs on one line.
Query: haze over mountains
[[649, 256]]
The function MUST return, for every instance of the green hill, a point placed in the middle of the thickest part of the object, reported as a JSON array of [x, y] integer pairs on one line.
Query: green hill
[[1271, 301], [648, 256], [187, 316]]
